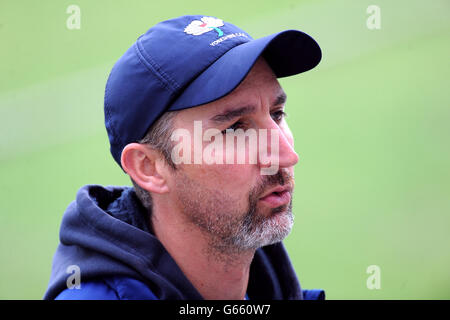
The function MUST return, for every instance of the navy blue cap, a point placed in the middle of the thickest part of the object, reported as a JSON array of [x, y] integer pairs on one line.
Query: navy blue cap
[[189, 61]]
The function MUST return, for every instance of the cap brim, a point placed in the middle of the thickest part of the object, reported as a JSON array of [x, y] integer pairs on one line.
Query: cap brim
[[288, 53]]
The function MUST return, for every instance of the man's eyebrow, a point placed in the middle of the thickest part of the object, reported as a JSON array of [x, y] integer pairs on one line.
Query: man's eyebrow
[[231, 114], [281, 99]]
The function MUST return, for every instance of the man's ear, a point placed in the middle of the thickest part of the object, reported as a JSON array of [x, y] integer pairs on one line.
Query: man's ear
[[142, 165]]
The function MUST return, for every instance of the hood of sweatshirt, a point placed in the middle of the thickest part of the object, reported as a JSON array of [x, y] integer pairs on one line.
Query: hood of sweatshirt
[[105, 232]]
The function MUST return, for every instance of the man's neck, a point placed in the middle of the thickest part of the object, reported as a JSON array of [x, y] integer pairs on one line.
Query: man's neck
[[215, 275]]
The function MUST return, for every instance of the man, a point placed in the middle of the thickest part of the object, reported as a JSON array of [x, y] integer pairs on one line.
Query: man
[[206, 217]]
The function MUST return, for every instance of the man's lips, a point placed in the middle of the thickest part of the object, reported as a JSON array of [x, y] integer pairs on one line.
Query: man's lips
[[277, 197]]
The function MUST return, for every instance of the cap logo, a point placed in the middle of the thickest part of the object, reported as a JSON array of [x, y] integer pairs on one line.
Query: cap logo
[[205, 24]]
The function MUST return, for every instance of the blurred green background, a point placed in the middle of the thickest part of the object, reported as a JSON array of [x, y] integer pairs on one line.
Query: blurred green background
[[371, 124]]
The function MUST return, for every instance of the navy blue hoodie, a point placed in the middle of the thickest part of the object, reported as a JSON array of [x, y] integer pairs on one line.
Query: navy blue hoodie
[[105, 232]]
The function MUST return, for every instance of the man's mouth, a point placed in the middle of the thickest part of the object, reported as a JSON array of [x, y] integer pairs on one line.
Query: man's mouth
[[277, 197]]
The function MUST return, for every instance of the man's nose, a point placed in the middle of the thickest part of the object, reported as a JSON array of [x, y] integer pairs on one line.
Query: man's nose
[[280, 148], [288, 156]]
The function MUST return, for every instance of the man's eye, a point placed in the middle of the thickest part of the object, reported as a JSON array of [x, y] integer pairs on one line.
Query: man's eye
[[278, 115], [234, 126]]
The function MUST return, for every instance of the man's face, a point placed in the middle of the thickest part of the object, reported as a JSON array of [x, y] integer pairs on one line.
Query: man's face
[[233, 202]]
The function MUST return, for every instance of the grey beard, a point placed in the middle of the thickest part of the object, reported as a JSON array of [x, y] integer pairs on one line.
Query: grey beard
[[252, 232]]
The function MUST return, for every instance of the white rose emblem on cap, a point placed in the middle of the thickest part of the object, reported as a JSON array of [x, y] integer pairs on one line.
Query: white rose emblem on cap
[[205, 24]]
